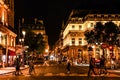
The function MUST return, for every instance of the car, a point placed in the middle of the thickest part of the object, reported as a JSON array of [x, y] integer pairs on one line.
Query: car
[[39, 61]]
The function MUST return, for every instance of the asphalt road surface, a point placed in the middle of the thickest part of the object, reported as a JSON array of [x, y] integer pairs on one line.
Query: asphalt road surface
[[59, 72]]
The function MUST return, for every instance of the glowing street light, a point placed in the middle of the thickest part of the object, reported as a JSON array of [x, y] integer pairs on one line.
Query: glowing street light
[[23, 32], [46, 50]]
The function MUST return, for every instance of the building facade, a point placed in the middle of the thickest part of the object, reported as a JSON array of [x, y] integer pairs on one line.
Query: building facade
[[74, 44], [7, 33]]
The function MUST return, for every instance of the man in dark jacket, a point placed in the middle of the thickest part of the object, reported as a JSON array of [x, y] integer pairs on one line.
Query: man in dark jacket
[[17, 66], [103, 68], [91, 66]]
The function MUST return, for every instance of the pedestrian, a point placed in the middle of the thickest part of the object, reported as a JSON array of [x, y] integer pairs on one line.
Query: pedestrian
[[68, 66], [91, 66], [17, 66], [103, 68], [31, 67]]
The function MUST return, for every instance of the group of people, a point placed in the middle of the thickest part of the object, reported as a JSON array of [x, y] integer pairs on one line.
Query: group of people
[[101, 68], [18, 63]]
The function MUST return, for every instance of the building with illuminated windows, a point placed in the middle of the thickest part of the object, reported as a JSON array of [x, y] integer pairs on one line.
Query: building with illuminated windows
[[74, 44], [7, 33]]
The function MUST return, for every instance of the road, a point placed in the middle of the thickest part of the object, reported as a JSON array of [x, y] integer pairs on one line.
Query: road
[[59, 72]]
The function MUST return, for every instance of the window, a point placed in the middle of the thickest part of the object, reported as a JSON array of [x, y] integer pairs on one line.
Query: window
[[92, 25], [80, 27], [73, 26], [73, 41], [80, 41]]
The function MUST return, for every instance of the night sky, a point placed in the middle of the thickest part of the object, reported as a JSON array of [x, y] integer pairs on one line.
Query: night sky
[[53, 12]]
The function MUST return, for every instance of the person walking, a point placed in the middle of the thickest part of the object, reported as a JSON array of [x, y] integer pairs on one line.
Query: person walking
[[31, 67], [68, 66], [17, 66], [103, 68], [91, 66]]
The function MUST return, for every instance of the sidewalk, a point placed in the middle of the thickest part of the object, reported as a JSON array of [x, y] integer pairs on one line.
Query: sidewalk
[[8, 70]]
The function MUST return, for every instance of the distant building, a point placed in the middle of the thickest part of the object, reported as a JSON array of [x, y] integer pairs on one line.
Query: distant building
[[38, 28], [7, 32], [74, 44]]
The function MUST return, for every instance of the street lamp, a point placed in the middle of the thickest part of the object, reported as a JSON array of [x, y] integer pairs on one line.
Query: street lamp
[[23, 32], [23, 39]]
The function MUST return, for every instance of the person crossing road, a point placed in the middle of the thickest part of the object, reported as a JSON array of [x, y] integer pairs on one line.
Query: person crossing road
[[91, 67]]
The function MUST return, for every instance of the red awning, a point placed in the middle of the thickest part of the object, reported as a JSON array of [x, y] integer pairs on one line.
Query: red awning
[[11, 53]]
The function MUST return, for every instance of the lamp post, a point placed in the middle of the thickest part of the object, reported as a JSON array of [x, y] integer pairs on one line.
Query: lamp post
[[24, 33], [23, 40]]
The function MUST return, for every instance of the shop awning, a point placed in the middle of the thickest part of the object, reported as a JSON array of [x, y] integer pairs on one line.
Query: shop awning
[[11, 53]]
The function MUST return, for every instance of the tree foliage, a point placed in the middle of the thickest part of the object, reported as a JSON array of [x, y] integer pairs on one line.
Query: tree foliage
[[34, 41], [106, 33]]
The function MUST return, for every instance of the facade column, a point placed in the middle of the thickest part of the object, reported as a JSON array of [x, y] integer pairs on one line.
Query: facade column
[[6, 49]]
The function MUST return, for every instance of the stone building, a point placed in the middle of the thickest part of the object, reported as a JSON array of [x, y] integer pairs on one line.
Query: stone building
[[7, 33], [74, 44]]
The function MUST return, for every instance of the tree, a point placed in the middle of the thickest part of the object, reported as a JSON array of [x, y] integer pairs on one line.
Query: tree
[[107, 33], [111, 32], [34, 41], [40, 47]]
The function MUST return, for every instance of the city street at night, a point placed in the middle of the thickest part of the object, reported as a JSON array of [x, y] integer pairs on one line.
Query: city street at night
[[59, 40], [59, 72]]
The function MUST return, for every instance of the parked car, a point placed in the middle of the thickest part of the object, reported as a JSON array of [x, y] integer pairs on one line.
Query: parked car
[[39, 61]]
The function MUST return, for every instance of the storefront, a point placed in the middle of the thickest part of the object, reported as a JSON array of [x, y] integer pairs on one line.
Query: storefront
[[11, 57]]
